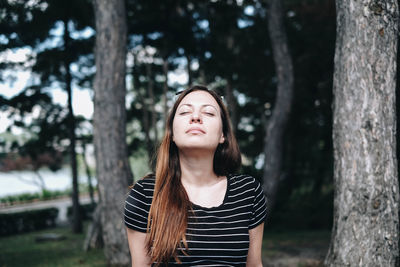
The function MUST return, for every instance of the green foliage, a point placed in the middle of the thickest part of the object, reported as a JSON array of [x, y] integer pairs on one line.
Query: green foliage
[[24, 197], [26, 221], [226, 43], [46, 194], [56, 34], [29, 197], [139, 164]]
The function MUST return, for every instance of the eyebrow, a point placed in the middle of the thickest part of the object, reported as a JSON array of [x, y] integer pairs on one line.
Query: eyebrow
[[202, 106]]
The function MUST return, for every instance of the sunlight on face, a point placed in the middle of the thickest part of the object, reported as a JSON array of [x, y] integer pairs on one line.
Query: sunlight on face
[[197, 122]]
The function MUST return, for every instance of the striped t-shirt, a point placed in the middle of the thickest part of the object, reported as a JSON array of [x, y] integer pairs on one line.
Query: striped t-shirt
[[217, 236]]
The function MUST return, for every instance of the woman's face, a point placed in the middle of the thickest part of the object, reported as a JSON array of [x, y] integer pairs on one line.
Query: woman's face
[[197, 122]]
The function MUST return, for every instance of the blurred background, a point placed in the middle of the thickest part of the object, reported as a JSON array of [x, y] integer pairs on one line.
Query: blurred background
[[46, 90]]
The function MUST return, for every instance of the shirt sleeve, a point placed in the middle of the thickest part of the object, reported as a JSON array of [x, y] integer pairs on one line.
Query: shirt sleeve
[[259, 211], [137, 207]]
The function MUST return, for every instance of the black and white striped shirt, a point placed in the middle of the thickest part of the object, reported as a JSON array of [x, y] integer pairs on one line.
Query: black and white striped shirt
[[217, 236]]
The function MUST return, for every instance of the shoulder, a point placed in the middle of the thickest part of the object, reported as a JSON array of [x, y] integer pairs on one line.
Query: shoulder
[[244, 181], [142, 190], [250, 188], [145, 184], [137, 204]]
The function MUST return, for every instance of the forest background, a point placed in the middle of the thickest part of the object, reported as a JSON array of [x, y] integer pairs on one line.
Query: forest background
[[223, 44]]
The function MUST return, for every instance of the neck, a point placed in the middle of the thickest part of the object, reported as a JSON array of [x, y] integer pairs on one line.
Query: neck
[[197, 169]]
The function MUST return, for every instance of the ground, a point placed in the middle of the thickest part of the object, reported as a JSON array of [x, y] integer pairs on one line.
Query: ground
[[295, 248], [280, 249]]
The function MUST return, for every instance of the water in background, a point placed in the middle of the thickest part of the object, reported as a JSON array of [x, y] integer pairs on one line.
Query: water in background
[[12, 183]]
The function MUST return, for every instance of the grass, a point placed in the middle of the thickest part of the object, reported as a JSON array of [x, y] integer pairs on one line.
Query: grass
[[22, 250]]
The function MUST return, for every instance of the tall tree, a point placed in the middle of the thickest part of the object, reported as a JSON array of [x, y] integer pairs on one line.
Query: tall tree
[[34, 25], [112, 168], [224, 46], [366, 206], [77, 220], [161, 39], [273, 143]]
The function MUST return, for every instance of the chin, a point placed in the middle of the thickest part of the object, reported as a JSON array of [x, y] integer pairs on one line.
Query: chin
[[201, 146]]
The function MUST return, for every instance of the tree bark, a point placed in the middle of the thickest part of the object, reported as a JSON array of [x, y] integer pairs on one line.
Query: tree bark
[[273, 142], [76, 215], [231, 103], [94, 239], [366, 219], [112, 165], [165, 89], [189, 71]]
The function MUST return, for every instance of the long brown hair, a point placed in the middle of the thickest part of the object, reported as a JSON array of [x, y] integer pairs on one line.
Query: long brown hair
[[169, 210]]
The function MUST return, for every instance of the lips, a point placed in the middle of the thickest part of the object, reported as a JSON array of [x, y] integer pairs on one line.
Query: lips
[[195, 130]]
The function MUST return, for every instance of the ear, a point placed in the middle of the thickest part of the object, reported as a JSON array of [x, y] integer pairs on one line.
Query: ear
[[222, 139]]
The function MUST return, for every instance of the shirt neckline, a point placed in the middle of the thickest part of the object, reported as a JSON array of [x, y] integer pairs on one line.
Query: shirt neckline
[[228, 183]]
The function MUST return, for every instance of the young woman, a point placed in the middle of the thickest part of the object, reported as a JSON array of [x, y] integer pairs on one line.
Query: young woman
[[194, 211]]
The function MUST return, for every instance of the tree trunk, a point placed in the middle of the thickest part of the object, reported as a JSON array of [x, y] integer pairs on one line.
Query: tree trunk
[[88, 174], [231, 103], [94, 239], [189, 71], [76, 215], [165, 89], [273, 142], [146, 127], [202, 76], [366, 219], [41, 182], [145, 114], [109, 131]]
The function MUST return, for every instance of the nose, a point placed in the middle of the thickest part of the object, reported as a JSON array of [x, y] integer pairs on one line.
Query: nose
[[196, 118]]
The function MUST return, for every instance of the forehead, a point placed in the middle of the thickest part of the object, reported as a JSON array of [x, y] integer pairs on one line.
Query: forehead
[[199, 98]]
